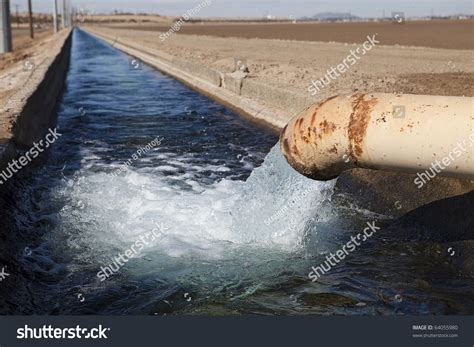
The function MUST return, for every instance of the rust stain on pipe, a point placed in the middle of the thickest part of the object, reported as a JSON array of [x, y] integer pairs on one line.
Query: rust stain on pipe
[[359, 120], [326, 128], [304, 131], [318, 106]]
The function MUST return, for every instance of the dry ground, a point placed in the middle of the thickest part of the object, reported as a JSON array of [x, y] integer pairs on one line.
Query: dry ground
[[450, 34], [15, 67]]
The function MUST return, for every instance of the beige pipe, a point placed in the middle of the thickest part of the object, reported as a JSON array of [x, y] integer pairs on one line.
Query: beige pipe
[[410, 133]]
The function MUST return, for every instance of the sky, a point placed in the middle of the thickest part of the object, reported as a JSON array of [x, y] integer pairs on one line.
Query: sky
[[260, 8]]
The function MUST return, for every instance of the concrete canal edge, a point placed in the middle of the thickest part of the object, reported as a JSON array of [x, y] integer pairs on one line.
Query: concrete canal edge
[[31, 108]]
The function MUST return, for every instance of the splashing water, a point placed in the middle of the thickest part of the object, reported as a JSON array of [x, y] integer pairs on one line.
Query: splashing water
[[230, 235], [271, 209], [277, 204]]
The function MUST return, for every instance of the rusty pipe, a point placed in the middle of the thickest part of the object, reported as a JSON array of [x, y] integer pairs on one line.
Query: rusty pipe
[[408, 133]]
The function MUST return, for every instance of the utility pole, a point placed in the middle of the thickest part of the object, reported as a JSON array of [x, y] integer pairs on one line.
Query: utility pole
[[69, 18], [63, 13], [73, 15], [69, 12], [72, 10], [30, 14], [66, 16], [66, 12], [17, 16], [5, 27], [55, 15]]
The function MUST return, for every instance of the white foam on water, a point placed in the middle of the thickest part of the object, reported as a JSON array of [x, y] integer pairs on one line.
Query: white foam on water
[[271, 212]]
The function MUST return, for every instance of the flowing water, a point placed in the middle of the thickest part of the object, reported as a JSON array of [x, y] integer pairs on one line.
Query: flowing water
[[216, 220]]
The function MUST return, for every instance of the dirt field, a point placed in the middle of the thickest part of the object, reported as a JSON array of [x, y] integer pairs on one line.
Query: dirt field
[[450, 34]]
